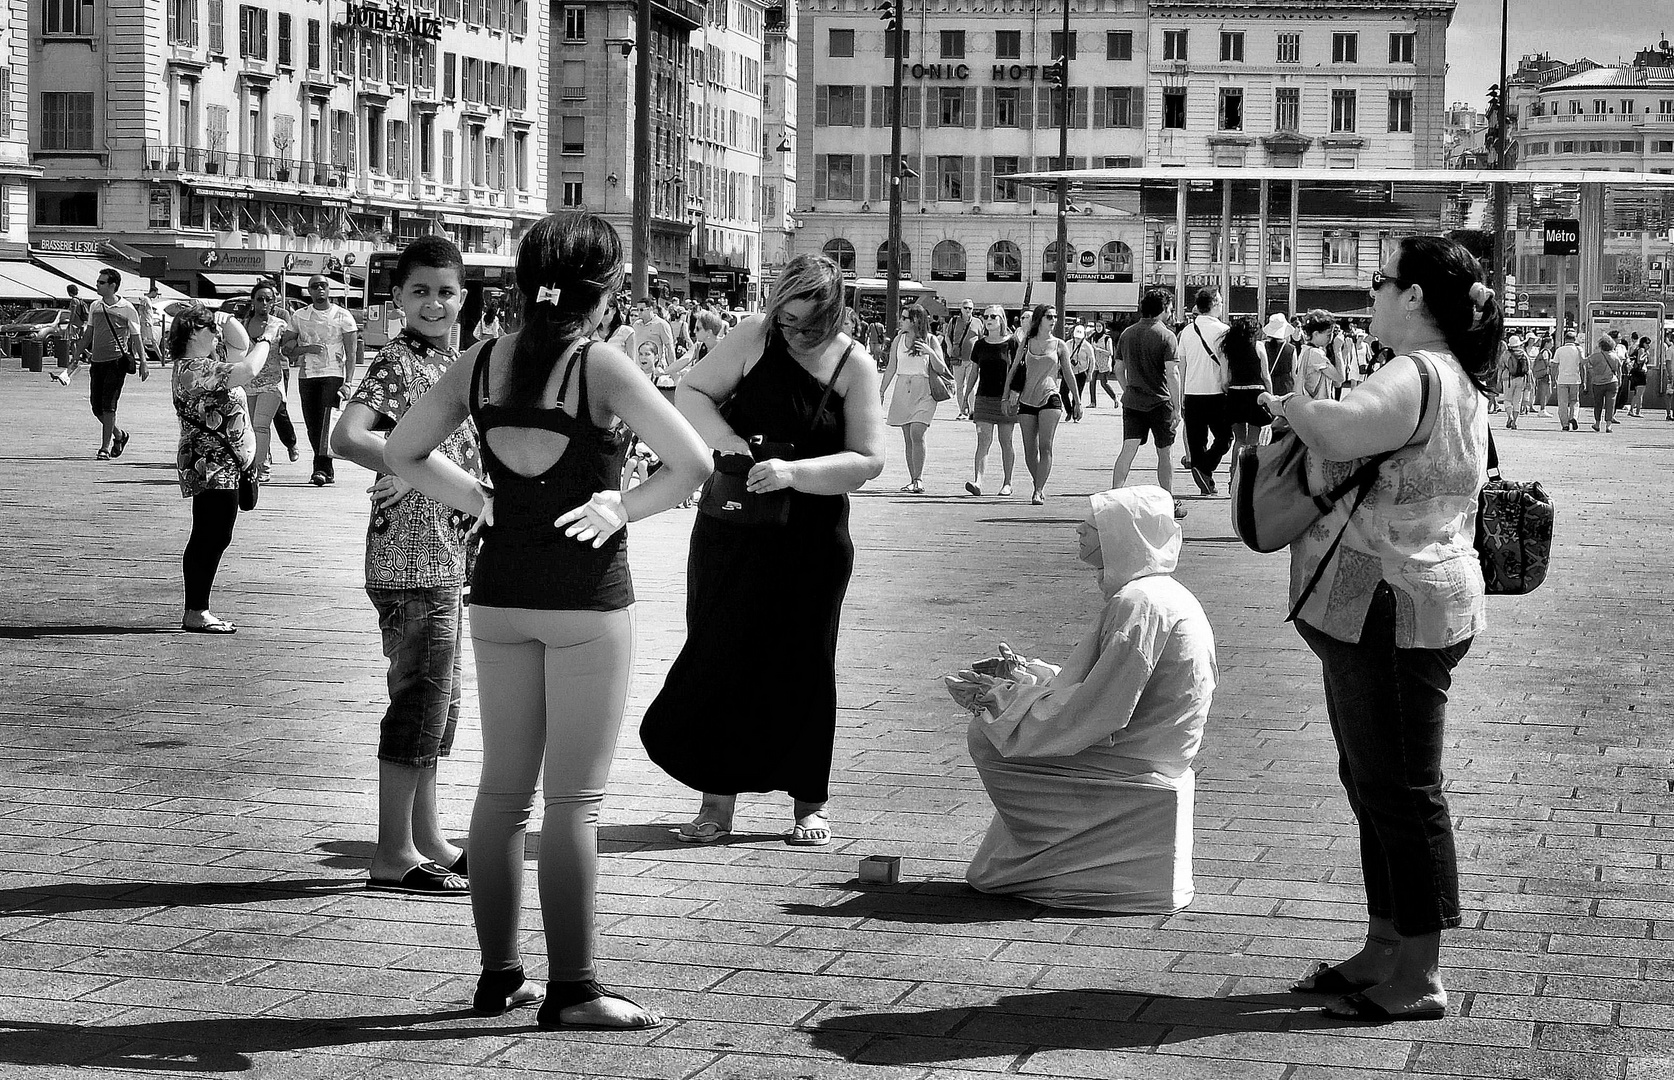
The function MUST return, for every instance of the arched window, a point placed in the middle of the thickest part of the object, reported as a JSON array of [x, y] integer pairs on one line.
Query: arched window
[[947, 262], [841, 252], [1116, 262], [906, 260], [1005, 262], [1049, 261]]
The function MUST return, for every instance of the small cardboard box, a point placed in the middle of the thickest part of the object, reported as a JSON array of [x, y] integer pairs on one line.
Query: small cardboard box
[[881, 869]]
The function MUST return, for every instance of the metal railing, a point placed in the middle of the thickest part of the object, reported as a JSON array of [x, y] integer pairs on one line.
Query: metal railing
[[197, 160]]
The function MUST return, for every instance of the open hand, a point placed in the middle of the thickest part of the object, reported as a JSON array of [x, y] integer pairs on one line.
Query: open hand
[[386, 491], [770, 475], [595, 520], [485, 518]]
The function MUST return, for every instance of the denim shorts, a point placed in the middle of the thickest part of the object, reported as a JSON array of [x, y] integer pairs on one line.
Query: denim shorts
[[421, 640]]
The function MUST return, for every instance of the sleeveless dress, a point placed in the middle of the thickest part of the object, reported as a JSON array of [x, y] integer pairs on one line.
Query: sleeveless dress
[[750, 704], [525, 561], [910, 401]]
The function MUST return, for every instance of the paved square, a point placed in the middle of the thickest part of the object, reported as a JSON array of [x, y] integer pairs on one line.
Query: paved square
[[186, 820]]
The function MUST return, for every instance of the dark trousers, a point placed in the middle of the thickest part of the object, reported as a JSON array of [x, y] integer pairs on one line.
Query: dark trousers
[[319, 397], [1388, 708], [1206, 415], [213, 515], [282, 425]]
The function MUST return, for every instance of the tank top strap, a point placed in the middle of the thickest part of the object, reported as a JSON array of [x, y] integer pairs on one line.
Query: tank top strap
[[479, 381], [576, 359]]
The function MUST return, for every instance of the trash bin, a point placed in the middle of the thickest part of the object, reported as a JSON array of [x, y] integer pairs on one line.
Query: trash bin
[[61, 351], [30, 349]]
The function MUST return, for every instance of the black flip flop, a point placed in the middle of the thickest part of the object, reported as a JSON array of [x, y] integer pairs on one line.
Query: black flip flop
[[425, 879], [119, 443], [1360, 1009], [1327, 979]]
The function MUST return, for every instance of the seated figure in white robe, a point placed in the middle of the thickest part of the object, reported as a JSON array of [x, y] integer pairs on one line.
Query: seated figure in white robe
[[1089, 765]]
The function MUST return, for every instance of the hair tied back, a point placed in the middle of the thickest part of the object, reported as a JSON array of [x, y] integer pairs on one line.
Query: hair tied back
[[1480, 295]]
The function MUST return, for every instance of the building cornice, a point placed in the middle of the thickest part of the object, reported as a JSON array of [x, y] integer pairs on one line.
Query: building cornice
[[1303, 9]]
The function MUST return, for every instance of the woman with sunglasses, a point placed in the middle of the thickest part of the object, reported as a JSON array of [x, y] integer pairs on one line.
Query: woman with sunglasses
[[988, 360], [750, 703], [267, 390], [1389, 595], [915, 357], [1043, 361], [213, 363]]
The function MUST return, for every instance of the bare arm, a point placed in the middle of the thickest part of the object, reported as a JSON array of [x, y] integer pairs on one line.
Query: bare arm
[[711, 382], [621, 389], [888, 371], [410, 451], [1380, 416], [862, 457], [356, 436], [1066, 372]]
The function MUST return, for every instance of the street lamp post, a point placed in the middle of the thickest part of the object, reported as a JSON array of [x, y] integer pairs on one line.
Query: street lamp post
[[892, 15], [1502, 193], [1061, 77], [642, 154]]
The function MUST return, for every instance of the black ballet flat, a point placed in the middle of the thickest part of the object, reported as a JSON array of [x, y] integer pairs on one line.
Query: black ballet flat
[[497, 992]]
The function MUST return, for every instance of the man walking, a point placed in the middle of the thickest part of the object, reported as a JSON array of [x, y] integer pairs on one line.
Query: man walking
[[652, 327], [1540, 371], [1514, 376], [962, 328], [112, 341], [1204, 376], [327, 340], [1568, 359], [1148, 356]]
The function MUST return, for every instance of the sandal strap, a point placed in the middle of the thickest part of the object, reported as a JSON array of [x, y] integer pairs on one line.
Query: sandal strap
[[563, 995]]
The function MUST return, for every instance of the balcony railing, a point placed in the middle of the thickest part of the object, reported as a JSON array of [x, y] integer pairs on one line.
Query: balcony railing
[[196, 160]]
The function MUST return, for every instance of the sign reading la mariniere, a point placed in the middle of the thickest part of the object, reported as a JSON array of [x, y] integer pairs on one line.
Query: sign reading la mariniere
[[392, 21]]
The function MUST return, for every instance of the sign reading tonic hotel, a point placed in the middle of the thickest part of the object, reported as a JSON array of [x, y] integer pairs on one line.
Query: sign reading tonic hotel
[[364, 16], [1000, 73]]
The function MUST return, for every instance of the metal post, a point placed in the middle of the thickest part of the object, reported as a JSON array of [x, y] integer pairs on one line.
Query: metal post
[[892, 288], [642, 208], [1063, 163], [1181, 302], [1226, 245], [1261, 258], [1502, 190], [1295, 228], [1563, 297]]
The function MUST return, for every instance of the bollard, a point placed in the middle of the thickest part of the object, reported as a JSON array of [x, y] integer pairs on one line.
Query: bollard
[[881, 869], [61, 351], [30, 350]]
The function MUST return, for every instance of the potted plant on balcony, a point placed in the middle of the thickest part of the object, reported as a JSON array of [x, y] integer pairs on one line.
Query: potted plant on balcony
[[282, 139]]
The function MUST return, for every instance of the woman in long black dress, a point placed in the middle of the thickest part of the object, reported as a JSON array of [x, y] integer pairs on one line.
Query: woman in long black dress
[[751, 702]]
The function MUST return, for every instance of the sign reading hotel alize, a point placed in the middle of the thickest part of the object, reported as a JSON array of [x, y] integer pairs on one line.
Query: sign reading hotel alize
[[367, 17]]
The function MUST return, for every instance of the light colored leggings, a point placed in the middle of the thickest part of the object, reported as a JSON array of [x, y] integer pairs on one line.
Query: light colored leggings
[[551, 685], [264, 406]]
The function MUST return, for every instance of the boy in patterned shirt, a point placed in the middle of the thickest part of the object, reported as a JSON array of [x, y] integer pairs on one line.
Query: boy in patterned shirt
[[417, 556]]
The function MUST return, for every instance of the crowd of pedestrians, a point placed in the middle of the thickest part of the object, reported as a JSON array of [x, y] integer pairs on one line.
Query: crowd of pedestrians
[[505, 490]]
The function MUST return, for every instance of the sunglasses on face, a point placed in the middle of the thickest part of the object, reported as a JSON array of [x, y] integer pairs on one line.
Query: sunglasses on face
[[1379, 278]]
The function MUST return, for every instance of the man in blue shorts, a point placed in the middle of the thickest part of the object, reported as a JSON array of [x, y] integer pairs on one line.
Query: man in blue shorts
[[1148, 356]]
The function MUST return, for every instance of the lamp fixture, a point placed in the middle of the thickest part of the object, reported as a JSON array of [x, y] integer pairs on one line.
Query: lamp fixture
[[784, 146], [613, 179], [625, 44]]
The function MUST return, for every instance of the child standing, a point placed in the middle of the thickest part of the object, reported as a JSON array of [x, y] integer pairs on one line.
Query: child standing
[[417, 557]]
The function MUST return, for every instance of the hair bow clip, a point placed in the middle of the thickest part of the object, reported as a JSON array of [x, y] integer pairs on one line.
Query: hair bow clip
[[548, 296], [1481, 294]]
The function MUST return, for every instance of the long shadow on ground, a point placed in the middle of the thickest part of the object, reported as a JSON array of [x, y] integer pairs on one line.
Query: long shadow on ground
[[72, 896]]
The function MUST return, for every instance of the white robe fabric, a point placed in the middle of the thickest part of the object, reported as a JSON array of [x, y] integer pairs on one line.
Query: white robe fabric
[[1089, 768]]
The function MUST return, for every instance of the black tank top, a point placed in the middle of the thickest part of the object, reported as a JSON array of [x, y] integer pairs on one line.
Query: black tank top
[[992, 360], [525, 561]]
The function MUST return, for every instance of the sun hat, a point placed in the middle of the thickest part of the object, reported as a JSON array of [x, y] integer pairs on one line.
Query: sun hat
[[1514, 342], [1277, 327]]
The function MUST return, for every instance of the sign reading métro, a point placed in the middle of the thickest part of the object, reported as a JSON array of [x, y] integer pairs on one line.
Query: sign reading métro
[[1562, 236]]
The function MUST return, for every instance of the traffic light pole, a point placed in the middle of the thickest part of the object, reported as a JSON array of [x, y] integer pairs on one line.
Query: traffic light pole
[[1063, 163], [640, 239], [892, 288], [1502, 192]]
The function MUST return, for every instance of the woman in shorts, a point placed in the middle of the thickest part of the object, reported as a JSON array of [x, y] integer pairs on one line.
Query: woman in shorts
[[1043, 360], [988, 359]]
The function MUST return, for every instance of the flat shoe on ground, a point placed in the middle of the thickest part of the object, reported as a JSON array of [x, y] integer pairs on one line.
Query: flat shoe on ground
[[810, 835], [318, 479], [1005, 490], [498, 992], [972, 488], [213, 626], [702, 832], [119, 443], [1360, 1009], [104, 455], [458, 866], [1326, 979], [425, 879]]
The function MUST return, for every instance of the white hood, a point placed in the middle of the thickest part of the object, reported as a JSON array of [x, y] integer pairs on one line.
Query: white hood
[[1138, 536]]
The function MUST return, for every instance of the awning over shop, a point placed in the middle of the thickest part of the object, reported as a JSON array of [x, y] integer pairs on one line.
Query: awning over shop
[[233, 284], [26, 280], [85, 272]]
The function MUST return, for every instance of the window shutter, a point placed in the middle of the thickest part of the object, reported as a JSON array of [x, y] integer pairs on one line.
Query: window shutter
[[5, 101], [933, 114], [1043, 101], [1136, 111], [969, 179], [985, 183], [1078, 106], [913, 107], [878, 93], [822, 106], [912, 186], [971, 107], [876, 173], [1025, 108], [822, 174], [1100, 113], [217, 26], [932, 177], [988, 106]]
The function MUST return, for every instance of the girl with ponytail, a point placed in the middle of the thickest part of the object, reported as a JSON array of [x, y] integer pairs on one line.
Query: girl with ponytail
[[551, 596]]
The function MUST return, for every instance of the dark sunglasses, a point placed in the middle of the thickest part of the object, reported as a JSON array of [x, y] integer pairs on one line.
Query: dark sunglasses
[[1379, 278]]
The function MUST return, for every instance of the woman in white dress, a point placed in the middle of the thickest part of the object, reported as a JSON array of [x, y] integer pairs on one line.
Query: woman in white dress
[[914, 357]]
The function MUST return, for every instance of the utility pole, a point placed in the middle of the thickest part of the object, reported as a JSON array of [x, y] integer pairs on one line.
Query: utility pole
[[893, 20], [1502, 191], [642, 208], [1059, 73]]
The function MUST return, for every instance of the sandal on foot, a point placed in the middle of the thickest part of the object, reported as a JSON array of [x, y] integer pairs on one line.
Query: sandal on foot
[[119, 443], [104, 455], [702, 832], [458, 866], [1327, 979], [210, 626], [972, 488], [1005, 490], [1360, 1009], [564, 995], [500, 991], [801, 835], [425, 879]]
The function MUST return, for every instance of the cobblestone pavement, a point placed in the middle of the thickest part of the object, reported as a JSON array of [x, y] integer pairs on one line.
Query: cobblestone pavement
[[185, 820]]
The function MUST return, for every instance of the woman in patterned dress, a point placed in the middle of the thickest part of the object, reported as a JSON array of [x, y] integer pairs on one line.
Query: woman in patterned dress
[[213, 361], [1392, 608]]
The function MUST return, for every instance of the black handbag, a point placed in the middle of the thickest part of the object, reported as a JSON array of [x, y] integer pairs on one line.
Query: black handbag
[[249, 486], [726, 495], [1513, 532]]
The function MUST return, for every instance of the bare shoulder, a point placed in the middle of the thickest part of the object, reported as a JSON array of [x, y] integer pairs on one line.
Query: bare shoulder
[[859, 374]]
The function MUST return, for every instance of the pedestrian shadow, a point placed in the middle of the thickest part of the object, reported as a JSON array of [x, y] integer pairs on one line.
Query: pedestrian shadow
[[1032, 519], [31, 633], [654, 836], [170, 482], [1083, 1019], [219, 1044], [72, 896], [938, 902], [357, 854]]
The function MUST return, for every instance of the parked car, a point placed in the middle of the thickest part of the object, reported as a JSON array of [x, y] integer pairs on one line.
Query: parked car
[[36, 324]]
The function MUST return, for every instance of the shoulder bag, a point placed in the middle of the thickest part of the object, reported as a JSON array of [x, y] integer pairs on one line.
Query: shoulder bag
[[130, 364], [1514, 525], [249, 487], [941, 380], [726, 495], [1271, 504]]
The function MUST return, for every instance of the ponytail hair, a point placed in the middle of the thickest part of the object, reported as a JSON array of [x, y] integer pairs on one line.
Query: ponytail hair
[[1464, 309], [578, 256]]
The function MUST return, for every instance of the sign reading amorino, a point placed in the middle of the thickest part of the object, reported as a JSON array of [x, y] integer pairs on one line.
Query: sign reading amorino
[[248, 260], [365, 16]]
